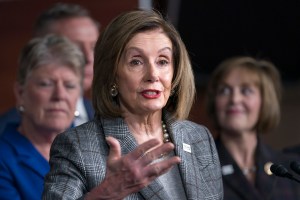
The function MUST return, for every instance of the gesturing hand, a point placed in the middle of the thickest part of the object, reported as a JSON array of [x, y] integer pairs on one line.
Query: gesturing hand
[[129, 173]]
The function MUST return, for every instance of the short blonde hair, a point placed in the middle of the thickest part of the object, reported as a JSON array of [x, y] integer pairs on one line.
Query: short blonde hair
[[45, 50], [269, 84], [109, 49]]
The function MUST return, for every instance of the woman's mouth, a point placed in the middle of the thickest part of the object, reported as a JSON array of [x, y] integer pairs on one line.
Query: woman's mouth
[[151, 94]]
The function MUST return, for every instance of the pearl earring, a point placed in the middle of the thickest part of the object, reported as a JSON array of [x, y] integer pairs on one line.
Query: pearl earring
[[21, 109]]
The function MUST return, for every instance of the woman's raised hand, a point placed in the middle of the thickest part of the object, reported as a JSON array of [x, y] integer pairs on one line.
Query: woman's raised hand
[[130, 173]]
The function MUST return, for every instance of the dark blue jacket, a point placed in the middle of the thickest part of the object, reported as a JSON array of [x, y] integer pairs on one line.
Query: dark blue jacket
[[22, 167]]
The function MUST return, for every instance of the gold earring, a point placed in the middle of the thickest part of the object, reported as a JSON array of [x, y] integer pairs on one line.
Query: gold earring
[[172, 92], [113, 90]]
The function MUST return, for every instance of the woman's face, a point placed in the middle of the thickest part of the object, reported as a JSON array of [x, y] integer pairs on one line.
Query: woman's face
[[49, 97], [238, 102], [145, 73]]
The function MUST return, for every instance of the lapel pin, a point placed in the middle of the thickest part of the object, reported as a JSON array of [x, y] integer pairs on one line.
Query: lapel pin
[[227, 170], [187, 148]]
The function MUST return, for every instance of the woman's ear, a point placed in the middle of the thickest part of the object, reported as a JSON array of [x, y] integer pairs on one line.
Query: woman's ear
[[18, 91]]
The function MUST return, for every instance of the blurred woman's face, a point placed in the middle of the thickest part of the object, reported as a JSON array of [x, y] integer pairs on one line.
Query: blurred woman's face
[[238, 101], [49, 97], [145, 73]]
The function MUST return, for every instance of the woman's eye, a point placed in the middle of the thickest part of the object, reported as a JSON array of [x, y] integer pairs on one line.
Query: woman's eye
[[135, 62], [163, 62], [223, 91], [246, 91]]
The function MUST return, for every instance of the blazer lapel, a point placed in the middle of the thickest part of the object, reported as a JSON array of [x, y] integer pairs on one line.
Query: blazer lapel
[[185, 171], [119, 130], [190, 176]]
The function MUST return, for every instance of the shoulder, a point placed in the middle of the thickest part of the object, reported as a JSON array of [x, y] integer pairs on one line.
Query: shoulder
[[13, 145], [277, 156], [89, 128], [292, 149], [192, 128], [184, 125], [196, 135], [11, 116], [11, 138], [81, 136], [84, 145], [189, 124]]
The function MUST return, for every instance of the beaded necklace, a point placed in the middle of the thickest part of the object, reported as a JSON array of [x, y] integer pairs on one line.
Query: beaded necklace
[[166, 136]]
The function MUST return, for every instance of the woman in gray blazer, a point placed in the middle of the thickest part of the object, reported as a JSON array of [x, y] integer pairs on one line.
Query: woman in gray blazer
[[140, 145]]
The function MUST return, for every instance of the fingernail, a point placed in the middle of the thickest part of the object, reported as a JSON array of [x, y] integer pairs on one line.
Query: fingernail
[[107, 140]]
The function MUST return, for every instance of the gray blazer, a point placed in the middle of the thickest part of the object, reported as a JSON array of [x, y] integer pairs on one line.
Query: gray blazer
[[78, 160]]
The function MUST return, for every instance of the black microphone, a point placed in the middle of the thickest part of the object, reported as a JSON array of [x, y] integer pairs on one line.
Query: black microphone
[[295, 166], [280, 170]]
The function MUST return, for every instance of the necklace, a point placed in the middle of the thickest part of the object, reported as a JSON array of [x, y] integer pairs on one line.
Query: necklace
[[249, 170], [166, 136]]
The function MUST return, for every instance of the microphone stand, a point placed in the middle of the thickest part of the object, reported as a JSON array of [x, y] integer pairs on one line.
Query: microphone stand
[[295, 166], [281, 171]]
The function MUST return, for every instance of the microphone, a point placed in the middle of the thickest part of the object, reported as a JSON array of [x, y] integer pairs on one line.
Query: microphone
[[280, 170], [295, 166]]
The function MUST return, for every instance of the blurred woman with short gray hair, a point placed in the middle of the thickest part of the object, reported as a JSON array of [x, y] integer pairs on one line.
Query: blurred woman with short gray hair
[[49, 82]]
